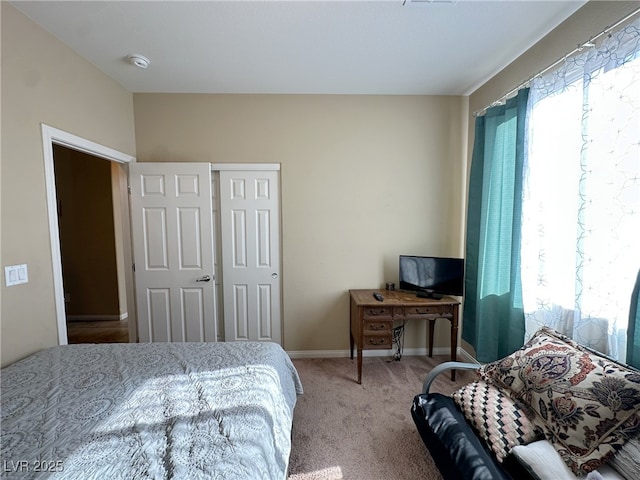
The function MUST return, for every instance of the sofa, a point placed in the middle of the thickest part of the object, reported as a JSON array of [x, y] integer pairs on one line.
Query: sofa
[[552, 410]]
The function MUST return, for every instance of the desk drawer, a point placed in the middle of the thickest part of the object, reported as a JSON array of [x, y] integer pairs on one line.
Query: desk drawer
[[376, 341], [377, 313], [377, 325], [426, 310]]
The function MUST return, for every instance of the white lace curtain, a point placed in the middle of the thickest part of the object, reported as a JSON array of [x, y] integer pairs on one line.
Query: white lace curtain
[[581, 204]]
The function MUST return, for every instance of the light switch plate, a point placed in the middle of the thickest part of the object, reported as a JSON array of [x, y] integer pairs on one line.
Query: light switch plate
[[15, 275]]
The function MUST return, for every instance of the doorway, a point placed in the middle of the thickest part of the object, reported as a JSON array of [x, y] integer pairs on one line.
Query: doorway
[[92, 270], [53, 140]]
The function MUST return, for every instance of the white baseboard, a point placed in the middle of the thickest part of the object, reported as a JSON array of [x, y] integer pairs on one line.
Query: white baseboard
[[96, 318], [463, 355]]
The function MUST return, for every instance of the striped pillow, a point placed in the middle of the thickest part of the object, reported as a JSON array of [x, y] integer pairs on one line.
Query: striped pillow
[[500, 421]]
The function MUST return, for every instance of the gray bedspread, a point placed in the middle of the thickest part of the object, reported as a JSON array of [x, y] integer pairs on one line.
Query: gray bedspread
[[149, 411]]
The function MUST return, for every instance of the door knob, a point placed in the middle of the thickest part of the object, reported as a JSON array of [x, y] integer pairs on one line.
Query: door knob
[[274, 275], [205, 278]]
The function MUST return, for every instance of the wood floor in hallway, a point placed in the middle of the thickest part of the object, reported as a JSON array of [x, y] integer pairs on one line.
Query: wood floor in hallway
[[98, 331]]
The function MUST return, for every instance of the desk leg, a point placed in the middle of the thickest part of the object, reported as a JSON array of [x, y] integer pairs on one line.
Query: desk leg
[[359, 366], [351, 343], [454, 338], [432, 325]]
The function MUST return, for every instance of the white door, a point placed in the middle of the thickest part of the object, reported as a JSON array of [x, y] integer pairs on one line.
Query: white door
[[250, 230], [171, 210]]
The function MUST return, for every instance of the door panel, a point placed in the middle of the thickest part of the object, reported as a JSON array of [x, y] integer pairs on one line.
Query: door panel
[[239, 313], [265, 320], [155, 239], [250, 219], [171, 212]]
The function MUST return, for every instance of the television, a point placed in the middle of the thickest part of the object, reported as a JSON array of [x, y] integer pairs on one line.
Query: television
[[432, 277]]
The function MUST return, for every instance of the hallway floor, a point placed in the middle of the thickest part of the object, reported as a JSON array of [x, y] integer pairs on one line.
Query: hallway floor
[[98, 331]]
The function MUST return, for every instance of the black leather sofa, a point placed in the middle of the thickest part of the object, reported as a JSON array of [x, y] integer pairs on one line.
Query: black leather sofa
[[456, 449]]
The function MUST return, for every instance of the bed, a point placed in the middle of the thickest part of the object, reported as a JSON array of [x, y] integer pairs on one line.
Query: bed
[[149, 411]]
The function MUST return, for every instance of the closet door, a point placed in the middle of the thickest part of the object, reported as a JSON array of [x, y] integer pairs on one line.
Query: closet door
[[250, 234], [171, 217]]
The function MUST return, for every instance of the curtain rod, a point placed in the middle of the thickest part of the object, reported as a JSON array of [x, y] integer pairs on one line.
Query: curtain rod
[[588, 44]]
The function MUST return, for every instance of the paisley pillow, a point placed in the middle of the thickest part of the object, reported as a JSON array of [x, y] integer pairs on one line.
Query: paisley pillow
[[587, 405]]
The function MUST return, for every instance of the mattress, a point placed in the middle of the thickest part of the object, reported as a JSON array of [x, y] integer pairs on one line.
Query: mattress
[[149, 411]]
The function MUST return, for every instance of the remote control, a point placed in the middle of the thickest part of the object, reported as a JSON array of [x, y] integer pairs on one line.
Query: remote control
[[378, 297]]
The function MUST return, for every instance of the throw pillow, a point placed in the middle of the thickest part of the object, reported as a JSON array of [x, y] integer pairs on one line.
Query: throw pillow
[[587, 404], [544, 463], [626, 459], [500, 421]]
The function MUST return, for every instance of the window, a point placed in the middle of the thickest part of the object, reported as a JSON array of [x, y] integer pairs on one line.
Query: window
[[581, 201]]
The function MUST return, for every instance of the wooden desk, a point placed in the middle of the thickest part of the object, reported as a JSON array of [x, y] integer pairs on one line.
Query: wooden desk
[[371, 321]]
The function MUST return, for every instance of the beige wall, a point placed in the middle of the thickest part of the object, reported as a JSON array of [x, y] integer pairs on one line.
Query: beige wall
[[43, 81], [363, 179], [122, 233], [587, 22]]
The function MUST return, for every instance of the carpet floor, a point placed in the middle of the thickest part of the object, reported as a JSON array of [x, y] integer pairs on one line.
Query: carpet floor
[[342, 430]]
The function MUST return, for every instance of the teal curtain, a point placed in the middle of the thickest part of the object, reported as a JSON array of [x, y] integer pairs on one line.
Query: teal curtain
[[633, 329], [493, 316]]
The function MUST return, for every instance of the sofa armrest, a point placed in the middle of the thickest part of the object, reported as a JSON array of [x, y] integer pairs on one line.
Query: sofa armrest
[[443, 367]]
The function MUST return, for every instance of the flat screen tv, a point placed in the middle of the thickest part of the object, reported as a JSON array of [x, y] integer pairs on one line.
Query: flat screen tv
[[432, 277]]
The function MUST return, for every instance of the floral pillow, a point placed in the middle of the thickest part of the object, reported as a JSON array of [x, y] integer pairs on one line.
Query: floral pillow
[[587, 405]]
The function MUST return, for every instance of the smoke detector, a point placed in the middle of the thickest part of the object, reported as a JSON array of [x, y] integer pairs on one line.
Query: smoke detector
[[138, 60]]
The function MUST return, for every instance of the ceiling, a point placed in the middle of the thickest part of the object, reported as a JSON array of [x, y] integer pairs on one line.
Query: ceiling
[[428, 47]]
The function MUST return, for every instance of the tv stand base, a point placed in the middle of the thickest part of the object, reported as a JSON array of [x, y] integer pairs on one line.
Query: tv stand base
[[434, 296]]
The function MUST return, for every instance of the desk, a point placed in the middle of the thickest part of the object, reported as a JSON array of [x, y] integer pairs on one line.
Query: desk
[[371, 321]]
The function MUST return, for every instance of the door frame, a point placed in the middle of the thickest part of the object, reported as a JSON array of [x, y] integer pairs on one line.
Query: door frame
[[51, 136]]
